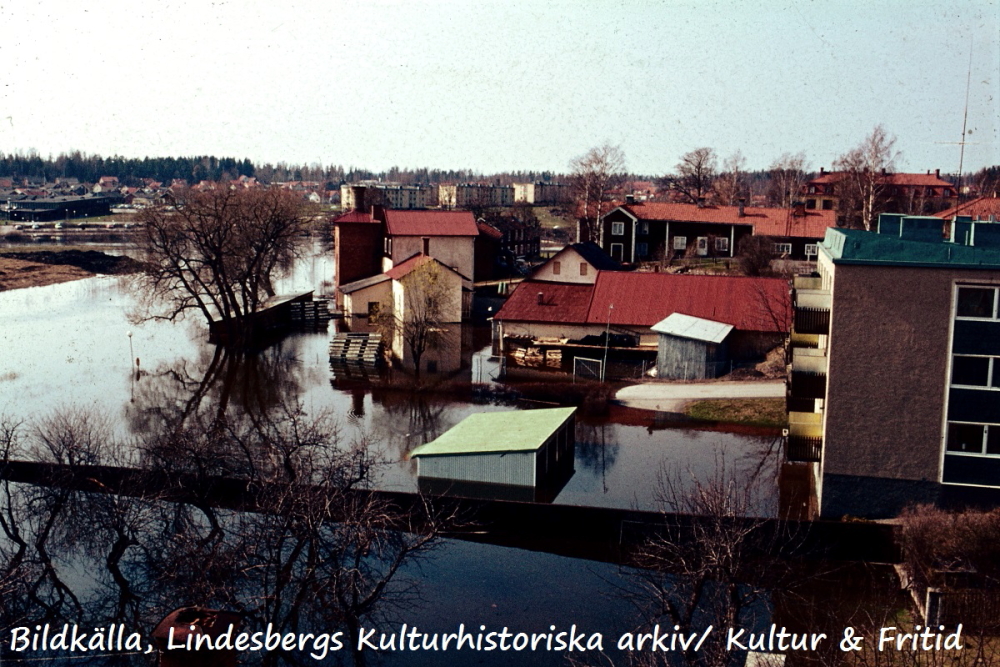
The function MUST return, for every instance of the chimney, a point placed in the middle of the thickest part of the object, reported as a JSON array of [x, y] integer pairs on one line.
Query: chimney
[[822, 170], [701, 202], [937, 172], [798, 209], [629, 200], [883, 171], [541, 298], [743, 203]]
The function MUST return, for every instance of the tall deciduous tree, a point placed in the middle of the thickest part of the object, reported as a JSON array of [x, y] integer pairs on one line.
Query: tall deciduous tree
[[595, 176], [787, 176], [217, 252], [863, 186], [694, 175], [732, 184]]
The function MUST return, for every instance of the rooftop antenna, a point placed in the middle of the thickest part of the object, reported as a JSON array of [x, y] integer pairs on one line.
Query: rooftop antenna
[[965, 120]]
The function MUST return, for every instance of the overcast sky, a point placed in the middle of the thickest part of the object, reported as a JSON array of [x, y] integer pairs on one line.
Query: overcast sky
[[500, 85]]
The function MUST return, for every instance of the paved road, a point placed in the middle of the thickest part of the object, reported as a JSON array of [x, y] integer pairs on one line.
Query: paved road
[[673, 397]]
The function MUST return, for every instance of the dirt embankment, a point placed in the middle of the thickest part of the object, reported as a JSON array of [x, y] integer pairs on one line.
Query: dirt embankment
[[34, 269]]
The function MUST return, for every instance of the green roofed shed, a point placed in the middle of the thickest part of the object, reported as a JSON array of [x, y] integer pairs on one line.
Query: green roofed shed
[[514, 448]]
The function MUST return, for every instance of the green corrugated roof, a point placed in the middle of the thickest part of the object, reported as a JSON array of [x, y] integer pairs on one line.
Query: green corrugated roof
[[517, 431], [855, 246]]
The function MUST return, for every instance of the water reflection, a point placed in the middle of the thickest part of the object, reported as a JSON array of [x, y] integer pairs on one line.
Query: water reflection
[[67, 345]]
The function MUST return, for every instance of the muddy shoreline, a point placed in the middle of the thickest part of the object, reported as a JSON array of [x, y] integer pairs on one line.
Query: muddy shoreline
[[19, 270]]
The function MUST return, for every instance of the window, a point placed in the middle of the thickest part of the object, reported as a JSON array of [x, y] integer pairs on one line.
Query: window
[[644, 228], [977, 302], [617, 228], [812, 249], [971, 371], [427, 245], [680, 243], [642, 249], [721, 244], [556, 268], [974, 438], [583, 268], [782, 248], [374, 307]]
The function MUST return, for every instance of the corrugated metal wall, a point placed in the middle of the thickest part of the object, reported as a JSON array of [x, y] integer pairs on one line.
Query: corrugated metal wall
[[517, 468]]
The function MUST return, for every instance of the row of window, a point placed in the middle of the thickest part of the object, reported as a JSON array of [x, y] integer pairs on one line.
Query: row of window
[[557, 268]]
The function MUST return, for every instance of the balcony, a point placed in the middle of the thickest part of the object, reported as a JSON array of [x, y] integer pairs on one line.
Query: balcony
[[807, 283], [807, 385], [809, 360], [805, 436], [804, 449], [812, 321]]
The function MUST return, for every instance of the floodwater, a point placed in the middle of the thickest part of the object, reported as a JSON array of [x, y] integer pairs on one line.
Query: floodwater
[[75, 345]]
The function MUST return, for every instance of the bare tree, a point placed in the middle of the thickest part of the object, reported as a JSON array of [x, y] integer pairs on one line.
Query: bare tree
[[755, 254], [787, 176], [216, 252], [863, 185], [595, 176], [695, 174], [732, 185], [422, 305]]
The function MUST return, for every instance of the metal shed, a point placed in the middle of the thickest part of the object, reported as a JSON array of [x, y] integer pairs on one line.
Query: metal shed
[[691, 348], [521, 448]]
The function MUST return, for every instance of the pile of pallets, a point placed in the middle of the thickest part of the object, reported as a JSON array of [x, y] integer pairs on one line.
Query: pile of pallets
[[356, 348], [309, 312]]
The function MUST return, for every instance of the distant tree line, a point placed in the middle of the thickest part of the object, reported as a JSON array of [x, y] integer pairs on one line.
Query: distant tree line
[[131, 171]]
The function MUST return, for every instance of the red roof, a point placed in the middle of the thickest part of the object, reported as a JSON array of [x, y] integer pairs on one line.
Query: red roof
[[489, 230], [765, 221], [430, 223], [559, 302], [408, 265], [921, 180], [354, 216], [642, 299], [980, 209]]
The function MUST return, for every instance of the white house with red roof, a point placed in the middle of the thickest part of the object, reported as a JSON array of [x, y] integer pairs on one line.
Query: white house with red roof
[[652, 231], [387, 293], [447, 236]]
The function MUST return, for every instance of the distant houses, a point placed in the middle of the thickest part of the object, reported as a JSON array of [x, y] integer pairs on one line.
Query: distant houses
[[654, 231]]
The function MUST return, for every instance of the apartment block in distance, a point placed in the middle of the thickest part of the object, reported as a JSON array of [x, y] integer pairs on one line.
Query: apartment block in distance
[[894, 396]]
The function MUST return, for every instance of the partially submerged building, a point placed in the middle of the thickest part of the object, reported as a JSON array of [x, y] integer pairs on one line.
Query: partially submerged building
[[489, 452], [620, 309], [895, 384]]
